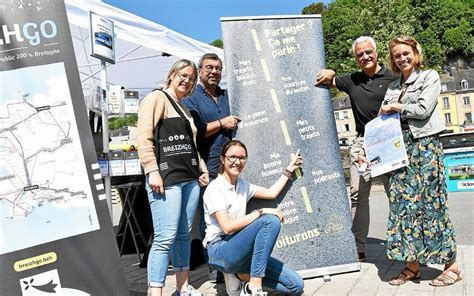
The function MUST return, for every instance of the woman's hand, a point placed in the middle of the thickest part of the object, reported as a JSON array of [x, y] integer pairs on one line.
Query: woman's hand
[[274, 211], [277, 187], [390, 108], [203, 179], [156, 183], [361, 159], [295, 163]]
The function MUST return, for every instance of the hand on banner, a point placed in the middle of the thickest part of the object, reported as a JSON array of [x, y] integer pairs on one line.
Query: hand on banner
[[326, 77], [155, 182], [295, 163], [230, 122], [203, 179], [274, 211]]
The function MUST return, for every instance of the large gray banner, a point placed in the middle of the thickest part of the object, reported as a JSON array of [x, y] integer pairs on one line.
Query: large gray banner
[[270, 64], [56, 234]]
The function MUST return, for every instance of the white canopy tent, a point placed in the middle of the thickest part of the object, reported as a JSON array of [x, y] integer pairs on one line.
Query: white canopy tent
[[144, 53], [142, 48]]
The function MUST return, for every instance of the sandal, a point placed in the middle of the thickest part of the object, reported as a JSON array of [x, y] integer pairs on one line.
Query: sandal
[[447, 278], [403, 277]]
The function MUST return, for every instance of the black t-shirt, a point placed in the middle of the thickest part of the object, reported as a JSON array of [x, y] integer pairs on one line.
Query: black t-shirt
[[366, 94]]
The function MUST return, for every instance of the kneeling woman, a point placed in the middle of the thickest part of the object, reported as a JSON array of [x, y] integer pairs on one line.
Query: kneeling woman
[[242, 243]]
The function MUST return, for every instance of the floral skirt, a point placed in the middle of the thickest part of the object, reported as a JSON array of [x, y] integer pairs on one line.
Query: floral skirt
[[419, 228]]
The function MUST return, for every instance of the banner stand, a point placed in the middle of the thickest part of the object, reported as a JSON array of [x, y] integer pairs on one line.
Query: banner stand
[[270, 63], [56, 234], [105, 132]]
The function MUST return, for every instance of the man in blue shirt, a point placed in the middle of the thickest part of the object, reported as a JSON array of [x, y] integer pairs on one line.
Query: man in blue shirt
[[209, 106]]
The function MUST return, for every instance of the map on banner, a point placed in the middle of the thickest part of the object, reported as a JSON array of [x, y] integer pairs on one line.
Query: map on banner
[[42, 169], [384, 145]]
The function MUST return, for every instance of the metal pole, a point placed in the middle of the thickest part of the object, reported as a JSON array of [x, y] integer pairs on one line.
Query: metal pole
[[105, 132]]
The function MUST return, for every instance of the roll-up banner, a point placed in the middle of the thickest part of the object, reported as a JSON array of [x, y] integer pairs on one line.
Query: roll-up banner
[[56, 234], [271, 64]]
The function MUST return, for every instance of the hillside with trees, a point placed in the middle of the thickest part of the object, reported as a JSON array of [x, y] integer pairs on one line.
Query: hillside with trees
[[443, 27]]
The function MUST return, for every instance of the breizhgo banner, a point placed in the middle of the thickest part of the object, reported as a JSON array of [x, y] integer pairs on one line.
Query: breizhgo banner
[[271, 64], [56, 233]]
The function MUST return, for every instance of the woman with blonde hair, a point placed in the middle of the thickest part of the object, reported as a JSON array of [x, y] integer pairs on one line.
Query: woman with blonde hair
[[419, 230], [174, 172]]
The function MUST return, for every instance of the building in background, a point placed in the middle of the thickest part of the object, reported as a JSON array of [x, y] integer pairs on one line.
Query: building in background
[[345, 123], [465, 97], [447, 104], [456, 100]]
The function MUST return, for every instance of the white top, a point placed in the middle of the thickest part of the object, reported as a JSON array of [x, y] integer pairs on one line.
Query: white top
[[221, 195]]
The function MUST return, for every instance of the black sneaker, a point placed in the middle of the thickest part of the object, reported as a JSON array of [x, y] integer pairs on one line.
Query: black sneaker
[[219, 278], [361, 257], [247, 292]]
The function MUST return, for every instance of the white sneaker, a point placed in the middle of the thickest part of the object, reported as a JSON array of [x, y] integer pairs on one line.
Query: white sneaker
[[232, 284], [247, 292], [191, 291]]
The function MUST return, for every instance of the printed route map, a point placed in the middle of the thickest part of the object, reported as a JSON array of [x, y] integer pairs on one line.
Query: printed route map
[[45, 193], [384, 145]]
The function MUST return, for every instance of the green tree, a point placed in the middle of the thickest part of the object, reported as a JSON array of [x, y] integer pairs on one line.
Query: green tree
[[217, 43], [119, 122], [339, 30], [315, 8], [444, 28], [460, 38]]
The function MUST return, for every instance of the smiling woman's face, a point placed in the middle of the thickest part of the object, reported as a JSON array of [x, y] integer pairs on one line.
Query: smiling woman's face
[[234, 160], [404, 58], [183, 80]]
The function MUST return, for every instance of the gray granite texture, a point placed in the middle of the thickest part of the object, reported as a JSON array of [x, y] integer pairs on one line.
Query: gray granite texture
[[271, 65]]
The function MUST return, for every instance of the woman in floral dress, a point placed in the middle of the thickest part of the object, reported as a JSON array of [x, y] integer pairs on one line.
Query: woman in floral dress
[[419, 230]]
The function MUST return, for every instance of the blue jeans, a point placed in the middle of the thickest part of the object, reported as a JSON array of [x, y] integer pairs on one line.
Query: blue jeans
[[248, 251], [172, 215]]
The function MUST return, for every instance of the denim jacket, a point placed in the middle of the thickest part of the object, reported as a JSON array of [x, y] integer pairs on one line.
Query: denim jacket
[[419, 102]]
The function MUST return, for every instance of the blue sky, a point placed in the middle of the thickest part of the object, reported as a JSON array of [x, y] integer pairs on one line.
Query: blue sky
[[199, 19], [30, 80]]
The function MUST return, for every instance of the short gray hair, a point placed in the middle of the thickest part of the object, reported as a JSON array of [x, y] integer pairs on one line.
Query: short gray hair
[[363, 39]]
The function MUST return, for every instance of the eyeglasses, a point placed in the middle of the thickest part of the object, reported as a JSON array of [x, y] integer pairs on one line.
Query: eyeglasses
[[209, 68], [185, 77], [233, 158]]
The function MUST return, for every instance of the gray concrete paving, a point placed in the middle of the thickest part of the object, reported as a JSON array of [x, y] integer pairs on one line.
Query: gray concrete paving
[[372, 279], [374, 275]]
